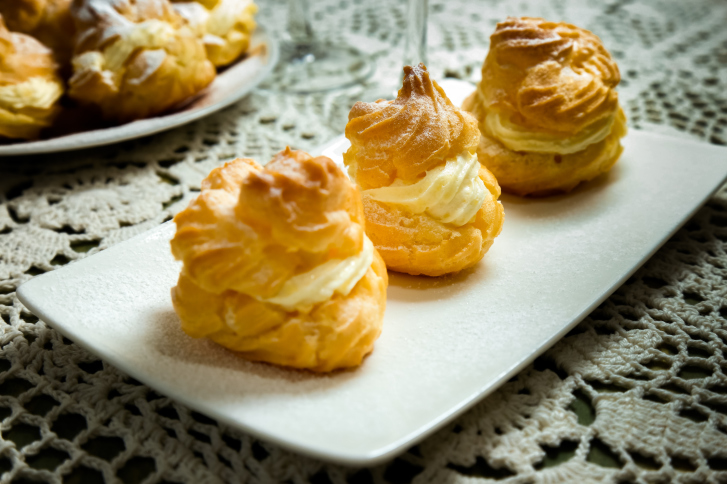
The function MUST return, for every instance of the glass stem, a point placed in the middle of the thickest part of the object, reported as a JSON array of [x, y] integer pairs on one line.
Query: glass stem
[[299, 21], [415, 50]]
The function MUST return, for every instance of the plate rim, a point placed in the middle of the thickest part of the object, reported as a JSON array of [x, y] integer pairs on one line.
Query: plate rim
[[175, 120]]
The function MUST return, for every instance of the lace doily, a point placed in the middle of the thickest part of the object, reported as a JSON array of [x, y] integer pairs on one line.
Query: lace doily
[[636, 393]]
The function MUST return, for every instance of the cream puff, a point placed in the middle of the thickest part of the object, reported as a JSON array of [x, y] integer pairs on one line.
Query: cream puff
[[276, 264], [430, 207], [30, 86], [135, 58], [49, 21], [547, 107], [225, 26]]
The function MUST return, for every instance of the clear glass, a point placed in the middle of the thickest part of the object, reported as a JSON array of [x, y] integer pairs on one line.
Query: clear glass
[[308, 65], [415, 50]]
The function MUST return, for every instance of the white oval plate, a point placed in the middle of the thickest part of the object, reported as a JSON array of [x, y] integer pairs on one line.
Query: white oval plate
[[447, 342], [228, 87]]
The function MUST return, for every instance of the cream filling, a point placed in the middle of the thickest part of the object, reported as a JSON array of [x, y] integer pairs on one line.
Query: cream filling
[[516, 138], [301, 292], [150, 34], [227, 14], [451, 193], [36, 92]]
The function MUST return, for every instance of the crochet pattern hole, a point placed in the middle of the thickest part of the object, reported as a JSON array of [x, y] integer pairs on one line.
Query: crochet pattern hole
[[5, 412], [67, 229], [136, 469], [5, 464], [91, 367], [35, 271], [321, 477], [401, 471], [693, 415], [653, 282], [69, 425], [582, 407], [17, 190], [682, 464], [698, 352], [168, 412], [22, 434], [482, 469], [693, 372], [668, 349], [233, 444], [84, 475], [602, 455], [717, 463], [199, 436], [644, 461], [361, 477], [203, 419], [60, 260], [15, 387], [258, 451], [83, 246], [41, 404], [47, 458], [557, 455], [105, 448]]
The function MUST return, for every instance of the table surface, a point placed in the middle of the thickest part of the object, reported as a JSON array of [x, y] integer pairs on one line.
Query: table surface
[[636, 393]]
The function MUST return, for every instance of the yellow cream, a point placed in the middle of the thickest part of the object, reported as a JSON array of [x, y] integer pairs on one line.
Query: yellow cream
[[301, 292], [451, 193], [36, 92], [227, 14], [516, 138], [150, 34]]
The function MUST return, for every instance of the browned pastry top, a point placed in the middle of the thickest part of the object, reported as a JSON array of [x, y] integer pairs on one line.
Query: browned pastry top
[[548, 75], [410, 135], [23, 57], [252, 228]]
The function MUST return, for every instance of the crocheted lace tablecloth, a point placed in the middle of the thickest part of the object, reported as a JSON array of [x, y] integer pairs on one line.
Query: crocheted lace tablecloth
[[636, 393]]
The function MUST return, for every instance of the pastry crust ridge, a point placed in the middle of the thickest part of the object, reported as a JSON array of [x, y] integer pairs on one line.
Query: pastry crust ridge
[[253, 228], [400, 141]]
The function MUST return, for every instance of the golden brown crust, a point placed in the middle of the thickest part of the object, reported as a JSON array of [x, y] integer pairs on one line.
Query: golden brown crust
[[554, 83], [418, 244], [225, 26], [49, 21], [405, 138], [253, 228], [543, 174], [29, 85], [135, 58], [336, 334], [545, 75], [402, 140]]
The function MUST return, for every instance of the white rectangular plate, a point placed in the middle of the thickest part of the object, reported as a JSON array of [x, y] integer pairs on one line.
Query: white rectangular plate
[[447, 342]]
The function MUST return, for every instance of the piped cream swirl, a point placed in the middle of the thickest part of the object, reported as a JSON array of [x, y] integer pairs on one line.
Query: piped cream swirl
[[450, 193], [303, 291], [517, 138], [37, 92]]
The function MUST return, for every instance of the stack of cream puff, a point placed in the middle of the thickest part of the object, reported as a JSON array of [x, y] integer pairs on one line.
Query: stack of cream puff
[[130, 59], [135, 59], [30, 85], [547, 107], [276, 264], [430, 207]]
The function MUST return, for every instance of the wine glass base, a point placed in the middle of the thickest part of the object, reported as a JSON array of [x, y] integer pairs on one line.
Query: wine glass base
[[315, 67]]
